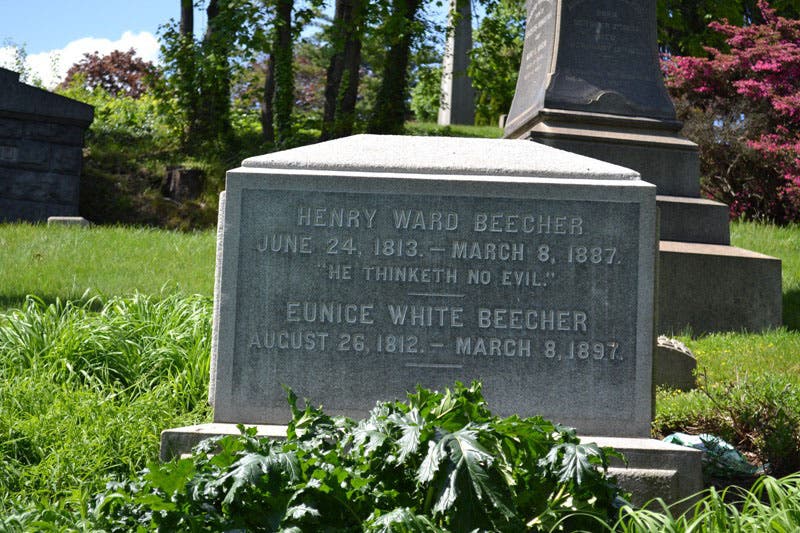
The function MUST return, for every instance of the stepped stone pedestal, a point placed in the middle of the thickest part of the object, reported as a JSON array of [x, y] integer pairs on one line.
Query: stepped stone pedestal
[[590, 83], [654, 469]]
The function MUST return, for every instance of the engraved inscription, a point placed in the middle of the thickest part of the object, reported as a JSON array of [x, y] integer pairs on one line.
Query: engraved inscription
[[349, 273]]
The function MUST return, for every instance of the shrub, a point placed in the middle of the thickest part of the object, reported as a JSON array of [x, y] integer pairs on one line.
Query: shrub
[[743, 108], [760, 415], [439, 462]]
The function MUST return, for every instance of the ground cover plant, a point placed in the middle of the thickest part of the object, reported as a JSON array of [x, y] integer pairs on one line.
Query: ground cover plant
[[437, 462], [749, 382], [85, 389]]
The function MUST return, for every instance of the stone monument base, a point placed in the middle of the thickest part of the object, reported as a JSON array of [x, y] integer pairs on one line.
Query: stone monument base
[[655, 469], [709, 287], [705, 285], [652, 147], [177, 442]]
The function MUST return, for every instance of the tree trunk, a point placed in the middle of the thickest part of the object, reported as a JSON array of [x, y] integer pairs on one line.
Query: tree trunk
[[282, 50], [217, 86], [212, 11], [187, 19], [389, 113], [186, 64], [267, 110], [346, 114], [341, 83]]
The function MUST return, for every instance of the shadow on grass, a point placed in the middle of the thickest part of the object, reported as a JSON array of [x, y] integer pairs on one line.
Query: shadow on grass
[[791, 310]]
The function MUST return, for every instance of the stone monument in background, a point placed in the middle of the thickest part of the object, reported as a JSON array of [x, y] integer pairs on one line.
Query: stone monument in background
[[590, 83], [457, 95], [41, 142]]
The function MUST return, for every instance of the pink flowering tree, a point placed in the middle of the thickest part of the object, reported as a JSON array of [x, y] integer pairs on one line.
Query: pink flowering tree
[[742, 107]]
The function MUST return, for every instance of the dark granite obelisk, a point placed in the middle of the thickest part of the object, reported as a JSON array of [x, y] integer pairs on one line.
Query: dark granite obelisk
[[605, 61], [590, 82]]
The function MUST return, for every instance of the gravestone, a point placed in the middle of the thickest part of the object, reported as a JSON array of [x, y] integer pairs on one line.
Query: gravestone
[[41, 142], [457, 95], [590, 83], [354, 270]]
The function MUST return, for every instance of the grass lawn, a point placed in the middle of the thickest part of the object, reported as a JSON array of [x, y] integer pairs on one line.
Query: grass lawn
[[726, 356], [105, 377], [455, 130], [65, 262]]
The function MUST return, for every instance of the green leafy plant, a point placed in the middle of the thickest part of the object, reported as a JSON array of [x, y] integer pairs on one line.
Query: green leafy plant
[[426, 94], [85, 389], [763, 415], [437, 462], [757, 414]]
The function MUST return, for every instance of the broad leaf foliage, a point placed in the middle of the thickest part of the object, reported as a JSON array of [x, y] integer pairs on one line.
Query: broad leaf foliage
[[438, 462]]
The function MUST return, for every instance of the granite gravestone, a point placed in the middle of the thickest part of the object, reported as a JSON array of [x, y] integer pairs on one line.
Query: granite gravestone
[[590, 83], [41, 141], [352, 272]]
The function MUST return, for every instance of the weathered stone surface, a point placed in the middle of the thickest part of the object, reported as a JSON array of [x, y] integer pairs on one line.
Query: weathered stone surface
[[598, 57], [655, 469], [350, 276], [653, 148], [25, 101], [673, 365], [51, 188], [41, 135], [68, 221], [709, 220], [178, 441], [705, 288], [182, 184], [441, 156]]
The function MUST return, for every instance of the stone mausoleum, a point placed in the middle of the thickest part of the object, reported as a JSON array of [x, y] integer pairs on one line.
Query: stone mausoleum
[[41, 143]]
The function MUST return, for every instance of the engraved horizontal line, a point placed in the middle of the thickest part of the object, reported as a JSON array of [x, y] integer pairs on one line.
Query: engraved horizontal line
[[433, 365], [435, 294], [436, 345], [437, 249]]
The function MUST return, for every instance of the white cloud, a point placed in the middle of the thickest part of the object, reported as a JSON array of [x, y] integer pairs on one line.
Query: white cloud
[[51, 67]]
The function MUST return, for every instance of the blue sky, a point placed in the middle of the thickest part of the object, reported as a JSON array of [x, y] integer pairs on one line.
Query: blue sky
[[56, 33], [44, 25]]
